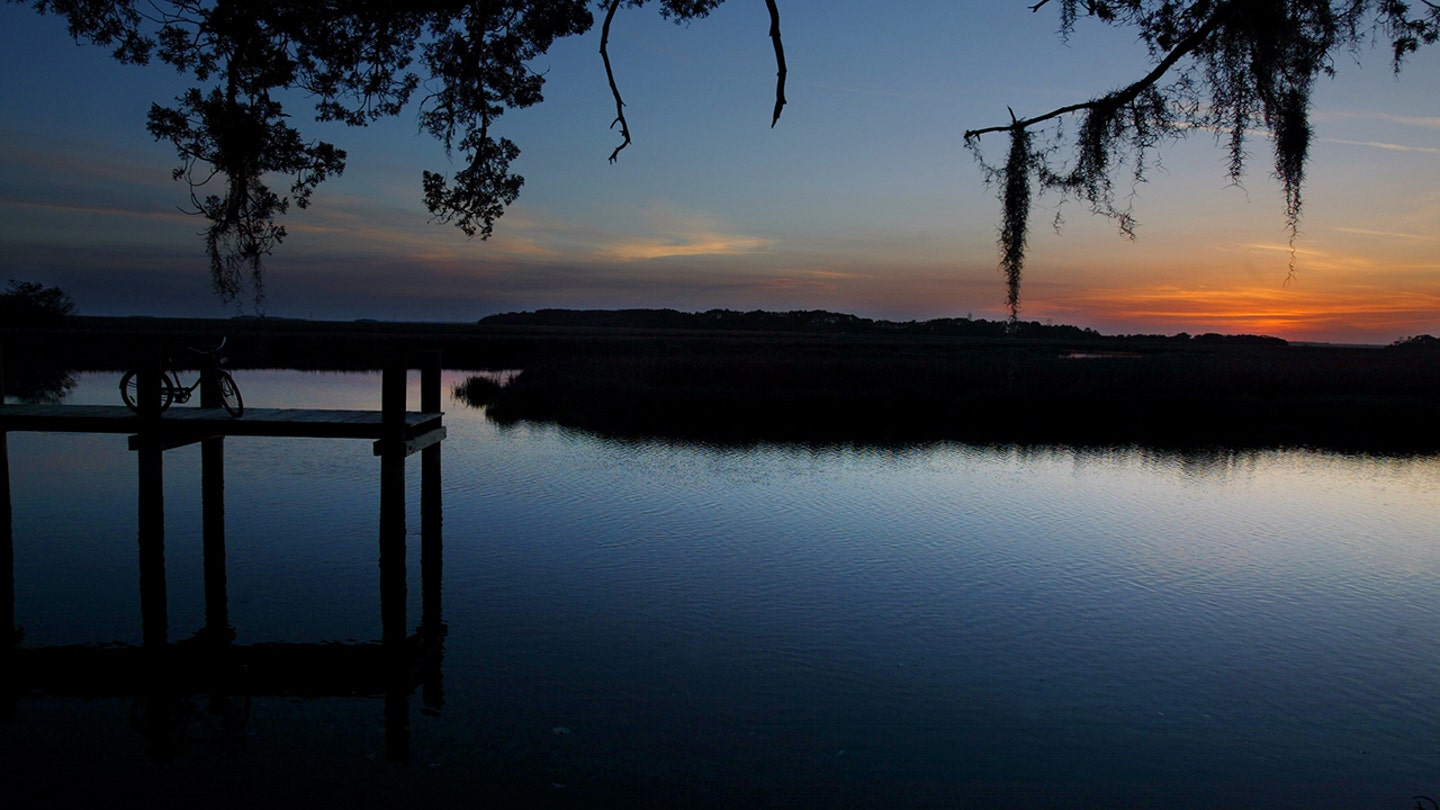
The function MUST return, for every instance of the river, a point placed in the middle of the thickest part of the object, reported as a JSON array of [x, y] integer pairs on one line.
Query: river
[[678, 625]]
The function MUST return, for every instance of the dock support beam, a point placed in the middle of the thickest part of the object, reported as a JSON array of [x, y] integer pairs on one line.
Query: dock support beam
[[392, 501], [7, 535], [154, 618], [432, 625], [212, 510], [11, 632], [431, 513], [392, 556]]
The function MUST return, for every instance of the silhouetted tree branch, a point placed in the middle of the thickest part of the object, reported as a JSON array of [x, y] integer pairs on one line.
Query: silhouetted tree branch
[[1230, 65], [780, 69], [354, 59], [614, 89], [1223, 66], [1124, 95]]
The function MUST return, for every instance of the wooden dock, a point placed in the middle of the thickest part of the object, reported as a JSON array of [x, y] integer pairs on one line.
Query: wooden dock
[[160, 669], [390, 426], [289, 422]]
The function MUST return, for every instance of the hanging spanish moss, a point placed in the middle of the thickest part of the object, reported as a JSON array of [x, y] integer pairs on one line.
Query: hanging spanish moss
[[1016, 199], [1220, 66]]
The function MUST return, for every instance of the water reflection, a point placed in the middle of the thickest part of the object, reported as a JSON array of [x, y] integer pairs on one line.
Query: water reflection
[[931, 625], [36, 378]]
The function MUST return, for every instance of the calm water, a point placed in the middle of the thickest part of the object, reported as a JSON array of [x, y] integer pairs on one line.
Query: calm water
[[649, 624]]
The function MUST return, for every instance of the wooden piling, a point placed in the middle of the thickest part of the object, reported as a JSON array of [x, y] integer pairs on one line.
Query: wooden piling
[[7, 534], [392, 557], [392, 501], [431, 511], [154, 618], [432, 624], [11, 639], [212, 505]]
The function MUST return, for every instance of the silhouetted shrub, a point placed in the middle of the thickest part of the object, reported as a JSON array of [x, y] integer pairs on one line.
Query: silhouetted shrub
[[27, 303]]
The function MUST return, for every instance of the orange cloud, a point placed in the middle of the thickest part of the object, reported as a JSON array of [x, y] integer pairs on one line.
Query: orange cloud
[[679, 233], [703, 244]]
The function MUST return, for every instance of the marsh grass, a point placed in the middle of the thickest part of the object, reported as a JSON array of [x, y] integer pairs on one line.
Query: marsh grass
[[752, 385], [1233, 397]]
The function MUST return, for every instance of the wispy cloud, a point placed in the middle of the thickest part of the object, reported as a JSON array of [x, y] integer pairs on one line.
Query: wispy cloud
[[816, 280], [1391, 147], [714, 244], [1428, 122], [104, 210], [680, 234], [1283, 248], [1421, 121], [1384, 234]]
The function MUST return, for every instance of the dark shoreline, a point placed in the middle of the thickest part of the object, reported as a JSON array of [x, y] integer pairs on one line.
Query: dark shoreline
[[740, 386]]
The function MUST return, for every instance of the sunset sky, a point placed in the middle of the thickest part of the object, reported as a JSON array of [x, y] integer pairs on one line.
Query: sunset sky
[[862, 200]]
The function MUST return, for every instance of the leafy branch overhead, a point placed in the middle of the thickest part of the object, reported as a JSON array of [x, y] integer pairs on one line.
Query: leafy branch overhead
[[360, 61], [1228, 67]]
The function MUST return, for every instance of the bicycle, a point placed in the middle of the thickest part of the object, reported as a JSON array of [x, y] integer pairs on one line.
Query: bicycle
[[172, 390]]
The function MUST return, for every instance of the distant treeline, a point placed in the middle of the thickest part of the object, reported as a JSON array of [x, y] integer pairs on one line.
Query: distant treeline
[[1417, 343], [819, 320], [820, 377]]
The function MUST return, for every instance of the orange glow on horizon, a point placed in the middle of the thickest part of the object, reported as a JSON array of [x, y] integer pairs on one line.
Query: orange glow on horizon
[[1279, 311]]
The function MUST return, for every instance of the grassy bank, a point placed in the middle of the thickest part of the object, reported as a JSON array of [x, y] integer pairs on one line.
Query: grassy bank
[[824, 386], [1347, 399]]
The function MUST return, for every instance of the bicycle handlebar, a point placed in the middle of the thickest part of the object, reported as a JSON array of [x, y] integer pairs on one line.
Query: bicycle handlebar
[[215, 350]]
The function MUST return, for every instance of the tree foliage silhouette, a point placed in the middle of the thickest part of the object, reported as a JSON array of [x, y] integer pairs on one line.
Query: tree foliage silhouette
[[359, 61], [29, 303], [1228, 67]]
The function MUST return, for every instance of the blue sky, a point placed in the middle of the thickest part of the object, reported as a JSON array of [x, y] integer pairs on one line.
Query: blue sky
[[861, 200]]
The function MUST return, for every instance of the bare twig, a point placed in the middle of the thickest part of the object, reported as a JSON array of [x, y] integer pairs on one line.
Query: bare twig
[[780, 70], [1129, 93], [614, 89]]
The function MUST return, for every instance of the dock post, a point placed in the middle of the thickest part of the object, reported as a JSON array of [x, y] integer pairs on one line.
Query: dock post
[[431, 511], [392, 501], [154, 617], [212, 507], [432, 624], [392, 557], [7, 534], [7, 575]]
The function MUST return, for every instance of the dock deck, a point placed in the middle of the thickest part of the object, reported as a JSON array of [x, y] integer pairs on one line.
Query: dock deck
[[198, 422]]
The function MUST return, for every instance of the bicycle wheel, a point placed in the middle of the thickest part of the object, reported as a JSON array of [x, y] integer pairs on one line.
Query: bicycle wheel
[[229, 393], [130, 390]]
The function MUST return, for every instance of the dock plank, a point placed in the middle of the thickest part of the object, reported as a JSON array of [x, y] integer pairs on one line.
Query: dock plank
[[284, 422]]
